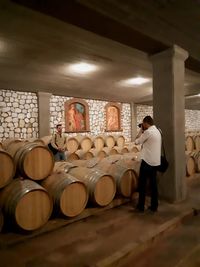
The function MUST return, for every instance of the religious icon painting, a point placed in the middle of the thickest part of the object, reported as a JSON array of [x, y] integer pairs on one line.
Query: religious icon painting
[[76, 116], [113, 117]]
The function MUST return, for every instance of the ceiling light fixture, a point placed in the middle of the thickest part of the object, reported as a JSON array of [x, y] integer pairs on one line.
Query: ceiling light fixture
[[134, 81], [82, 68], [192, 96]]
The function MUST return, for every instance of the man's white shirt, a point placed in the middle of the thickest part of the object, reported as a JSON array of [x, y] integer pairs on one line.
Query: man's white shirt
[[151, 145]]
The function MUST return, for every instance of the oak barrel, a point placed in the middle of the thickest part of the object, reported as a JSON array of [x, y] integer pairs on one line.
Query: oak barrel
[[98, 153], [25, 204], [37, 141], [196, 157], [120, 141], [101, 186], [190, 165], [83, 154], [1, 146], [89, 163], [34, 161], [125, 177], [7, 168], [6, 143], [14, 147], [85, 142], [109, 141], [197, 142], [61, 166], [46, 139], [71, 156], [133, 148], [99, 143], [69, 195], [121, 150], [189, 143], [110, 151], [72, 144]]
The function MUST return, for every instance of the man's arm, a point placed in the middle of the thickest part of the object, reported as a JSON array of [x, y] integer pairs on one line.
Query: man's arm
[[139, 133], [53, 141], [143, 137]]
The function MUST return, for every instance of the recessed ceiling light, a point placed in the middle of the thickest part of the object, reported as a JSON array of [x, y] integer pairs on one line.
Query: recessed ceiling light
[[134, 81], [82, 68], [2, 46]]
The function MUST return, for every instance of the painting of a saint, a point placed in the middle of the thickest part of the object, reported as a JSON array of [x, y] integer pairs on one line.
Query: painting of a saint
[[76, 117], [112, 118]]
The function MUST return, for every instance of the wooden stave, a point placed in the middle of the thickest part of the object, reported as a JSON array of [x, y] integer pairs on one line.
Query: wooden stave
[[84, 140], [98, 153], [20, 157], [84, 155], [10, 201], [119, 172], [14, 147], [74, 149], [46, 139], [7, 142], [71, 156], [189, 171], [109, 144], [36, 140], [99, 142], [57, 187], [196, 139], [61, 166], [91, 177], [13, 169], [118, 141], [196, 156], [124, 150], [189, 143], [110, 151], [121, 150], [89, 163]]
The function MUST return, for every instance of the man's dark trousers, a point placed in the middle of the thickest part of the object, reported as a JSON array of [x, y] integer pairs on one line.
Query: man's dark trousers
[[147, 172]]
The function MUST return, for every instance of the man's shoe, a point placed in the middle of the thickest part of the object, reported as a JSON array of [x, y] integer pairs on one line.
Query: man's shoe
[[152, 209], [138, 210]]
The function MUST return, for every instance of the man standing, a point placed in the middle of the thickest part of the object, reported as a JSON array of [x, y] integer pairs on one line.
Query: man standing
[[58, 142], [150, 139]]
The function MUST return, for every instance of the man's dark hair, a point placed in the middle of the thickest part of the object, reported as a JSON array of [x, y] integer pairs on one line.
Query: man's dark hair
[[149, 120], [58, 125]]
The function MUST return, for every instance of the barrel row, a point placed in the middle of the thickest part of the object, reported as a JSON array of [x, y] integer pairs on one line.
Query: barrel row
[[29, 205], [104, 152], [35, 161], [192, 142], [29, 160], [192, 162], [78, 141]]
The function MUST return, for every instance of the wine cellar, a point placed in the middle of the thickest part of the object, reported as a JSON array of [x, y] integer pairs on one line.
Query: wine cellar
[[99, 133]]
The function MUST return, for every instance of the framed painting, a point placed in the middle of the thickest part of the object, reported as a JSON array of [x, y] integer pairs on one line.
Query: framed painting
[[76, 116], [113, 117]]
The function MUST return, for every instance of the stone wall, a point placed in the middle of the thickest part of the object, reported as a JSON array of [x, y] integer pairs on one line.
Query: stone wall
[[192, 117], [97, 116], [18, 115], [142, 111], [192, 120]]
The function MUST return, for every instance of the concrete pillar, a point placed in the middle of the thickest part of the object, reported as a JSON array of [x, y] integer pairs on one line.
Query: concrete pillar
[[44, 113], [168, 110], [133, 122]]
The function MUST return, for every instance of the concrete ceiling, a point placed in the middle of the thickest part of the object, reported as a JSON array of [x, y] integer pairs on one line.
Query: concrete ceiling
[[36, 50]]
